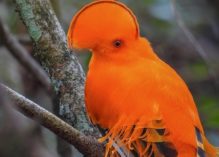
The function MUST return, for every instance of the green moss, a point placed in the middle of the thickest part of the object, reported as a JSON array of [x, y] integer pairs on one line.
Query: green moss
[[200, 70], [28, 17]]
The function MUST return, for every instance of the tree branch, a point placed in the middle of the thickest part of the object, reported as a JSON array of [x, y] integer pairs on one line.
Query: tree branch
[[86, 145], [23, 57], [65, 72]]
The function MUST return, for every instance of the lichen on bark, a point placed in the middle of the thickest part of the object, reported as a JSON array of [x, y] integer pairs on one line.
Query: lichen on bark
[[28, 15], [63, 68]]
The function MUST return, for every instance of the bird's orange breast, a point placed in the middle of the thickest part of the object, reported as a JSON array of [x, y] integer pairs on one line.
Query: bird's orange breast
[[139, 92]]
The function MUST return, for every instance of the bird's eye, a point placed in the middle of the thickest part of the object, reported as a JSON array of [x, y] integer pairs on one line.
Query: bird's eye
[[117, 43]]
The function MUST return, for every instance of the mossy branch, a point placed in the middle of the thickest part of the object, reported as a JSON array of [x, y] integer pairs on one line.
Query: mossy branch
[[85, 144], [63, 68]]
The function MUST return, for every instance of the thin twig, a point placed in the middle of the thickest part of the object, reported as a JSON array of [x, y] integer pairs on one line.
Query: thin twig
[[192, 39], [24, 40], [86, 145], [28, 139], [21, 54]]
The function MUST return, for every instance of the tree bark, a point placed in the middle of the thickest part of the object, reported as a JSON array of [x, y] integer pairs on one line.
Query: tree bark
[[63, 68], [87, 145]]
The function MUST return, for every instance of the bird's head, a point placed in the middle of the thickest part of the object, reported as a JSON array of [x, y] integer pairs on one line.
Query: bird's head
[[101, 25]]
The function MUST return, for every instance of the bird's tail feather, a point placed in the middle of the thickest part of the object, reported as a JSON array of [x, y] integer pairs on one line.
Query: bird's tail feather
[[210, 149]]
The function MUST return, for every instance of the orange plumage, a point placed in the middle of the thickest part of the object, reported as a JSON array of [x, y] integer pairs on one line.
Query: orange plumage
[[145, 106]]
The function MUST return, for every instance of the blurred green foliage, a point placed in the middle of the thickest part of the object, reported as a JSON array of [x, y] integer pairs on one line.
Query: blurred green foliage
[[210, 109]]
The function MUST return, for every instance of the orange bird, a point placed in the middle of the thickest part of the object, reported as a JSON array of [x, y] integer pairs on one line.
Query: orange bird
[[144, 107]]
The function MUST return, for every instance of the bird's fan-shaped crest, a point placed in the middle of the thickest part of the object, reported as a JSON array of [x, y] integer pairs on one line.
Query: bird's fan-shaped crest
[[102, 20]]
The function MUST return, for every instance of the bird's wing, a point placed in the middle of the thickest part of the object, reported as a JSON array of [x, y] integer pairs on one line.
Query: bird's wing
[[200, 145], [154, 146], [134, 141]]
